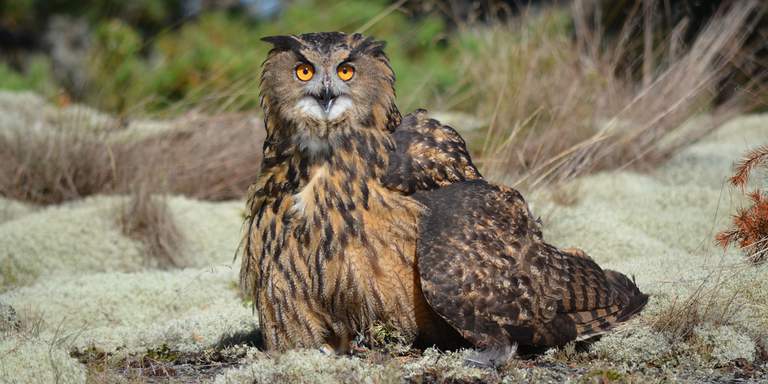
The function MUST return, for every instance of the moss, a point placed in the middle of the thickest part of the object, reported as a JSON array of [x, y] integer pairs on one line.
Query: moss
[[172, 365], [724, 345], [604, 376], [82, 237], [11, 209], [659, 227], [88, 239], [434, 366], [212, 230], [162, 353], [388, 339], [310, 366], [29, 113], [69, 239], [188, 310], [567, 353], [9, 320], [634, 346], [709, 162], [109, 302], [32, 114], [29, 360]]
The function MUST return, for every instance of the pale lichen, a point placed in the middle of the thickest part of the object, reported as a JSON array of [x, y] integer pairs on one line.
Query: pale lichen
[[310, 366], [434, 365], [188, 310], [69, 271], [12, 209], [84, 237], [29, 360], [635, 345], [724, 345]]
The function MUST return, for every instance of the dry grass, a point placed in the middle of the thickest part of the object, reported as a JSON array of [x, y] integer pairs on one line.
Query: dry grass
[[213, 158], [709, 303], [555, 106], [557, 109], [210, 158], [147, 218], [750, 225], [56, 165]]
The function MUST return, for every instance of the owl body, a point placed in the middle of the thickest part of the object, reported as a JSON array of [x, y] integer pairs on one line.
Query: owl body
[[347, 222], [337, 254]]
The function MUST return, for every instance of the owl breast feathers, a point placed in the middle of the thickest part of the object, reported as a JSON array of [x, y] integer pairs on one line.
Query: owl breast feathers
[[359, 217]]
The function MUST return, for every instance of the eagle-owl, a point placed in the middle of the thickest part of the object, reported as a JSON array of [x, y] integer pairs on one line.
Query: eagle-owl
[[361, 216]]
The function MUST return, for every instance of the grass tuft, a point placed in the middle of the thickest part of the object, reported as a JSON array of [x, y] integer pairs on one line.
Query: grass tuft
[[53, 155], [707, 304], [50, 165], [147, 218], [203, 157], [557, 108], [71, 153]]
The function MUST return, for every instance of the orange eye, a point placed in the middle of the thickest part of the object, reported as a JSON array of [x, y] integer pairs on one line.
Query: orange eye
[[305, 72], [345, 72]]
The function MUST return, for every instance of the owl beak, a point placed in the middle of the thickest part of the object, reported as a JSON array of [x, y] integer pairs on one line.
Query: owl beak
[[325, 99]]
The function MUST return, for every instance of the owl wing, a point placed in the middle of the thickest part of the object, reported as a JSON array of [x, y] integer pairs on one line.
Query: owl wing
[[427, 155], [486, 270]]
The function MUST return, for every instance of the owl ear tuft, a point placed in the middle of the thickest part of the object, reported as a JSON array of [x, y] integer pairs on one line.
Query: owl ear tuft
[[367, 45], [283, 42]]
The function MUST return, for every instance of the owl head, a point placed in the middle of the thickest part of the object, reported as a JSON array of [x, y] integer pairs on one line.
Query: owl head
[[317, 87]]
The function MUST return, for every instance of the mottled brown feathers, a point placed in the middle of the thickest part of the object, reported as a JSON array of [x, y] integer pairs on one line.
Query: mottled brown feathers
[[427, 155], [329, 250], [342, 201], [486, 269]]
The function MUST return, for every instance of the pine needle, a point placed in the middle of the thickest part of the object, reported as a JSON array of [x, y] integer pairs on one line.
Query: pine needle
[[745, 167]]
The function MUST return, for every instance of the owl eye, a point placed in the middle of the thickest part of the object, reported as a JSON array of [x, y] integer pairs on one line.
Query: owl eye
[[305, 71], [345, 72]]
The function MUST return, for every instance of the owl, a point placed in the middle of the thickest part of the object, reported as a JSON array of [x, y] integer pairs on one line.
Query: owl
[[360, 216]]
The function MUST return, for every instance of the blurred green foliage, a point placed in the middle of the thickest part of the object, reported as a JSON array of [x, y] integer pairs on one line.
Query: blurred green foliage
[[17, 11], [115, 69], [37, 77], [150, 15], [213, 62]]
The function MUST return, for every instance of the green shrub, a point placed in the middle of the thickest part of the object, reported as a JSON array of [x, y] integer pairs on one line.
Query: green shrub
[[151, 15], [37, 77], [116, 71], [213, 62]]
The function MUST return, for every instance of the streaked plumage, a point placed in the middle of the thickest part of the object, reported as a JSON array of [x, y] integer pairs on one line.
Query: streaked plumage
[[360, 217], [427, 155]]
